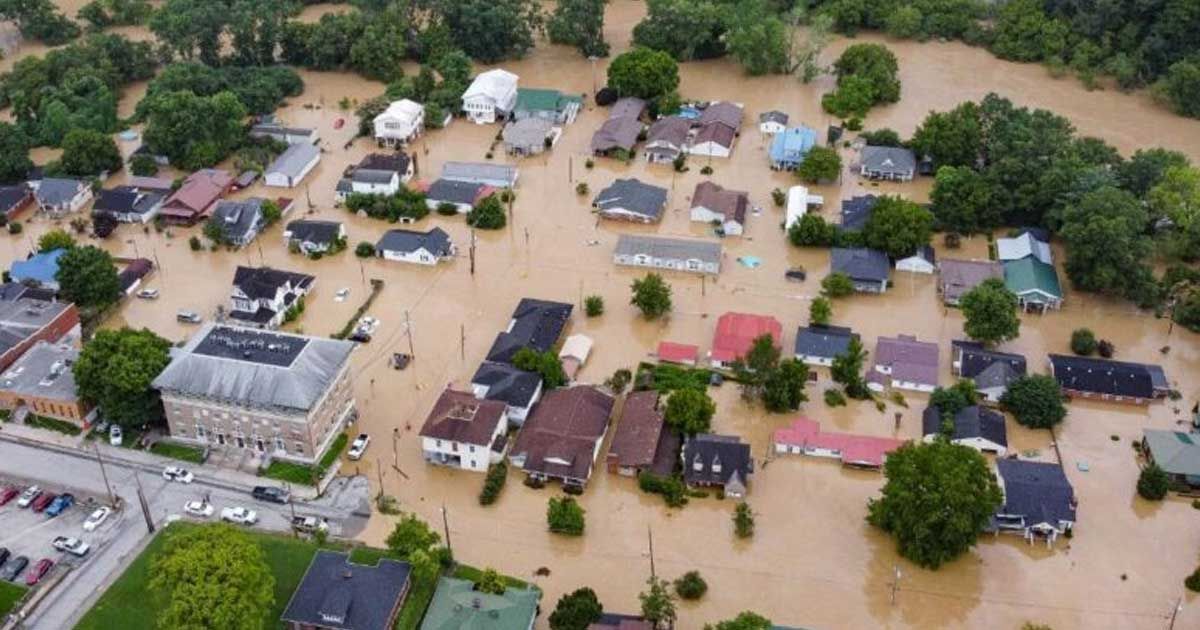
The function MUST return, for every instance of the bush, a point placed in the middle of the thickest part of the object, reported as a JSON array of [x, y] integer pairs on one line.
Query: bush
[[743, 520], [364, 249], [1193, 581], [447, 209], [593, 306], [581, 189], [1083, 342], [1153, 483], [195, 243], [835, 398], [672, 489], [952, 240], [15, 227], [488, 215], [1106, 348], [837, 285], [619, 380], [497, 474], [691, 586], [706, 170], [778, 197], [565, 516]]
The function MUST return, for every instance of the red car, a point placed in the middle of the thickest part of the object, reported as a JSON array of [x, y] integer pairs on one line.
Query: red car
[[8, 494], [39, 571], [42, 502]]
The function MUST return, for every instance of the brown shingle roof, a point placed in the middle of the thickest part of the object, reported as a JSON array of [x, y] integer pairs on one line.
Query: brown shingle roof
[[200, 190], [460, 417], [560, 436], [636, 437], [731, 203], [960, 276], [723, 112], [717, 133]]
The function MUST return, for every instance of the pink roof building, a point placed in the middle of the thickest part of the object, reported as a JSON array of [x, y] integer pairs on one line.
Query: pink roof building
[[804, 437], [736, 333], [671, 352], [197, 195]]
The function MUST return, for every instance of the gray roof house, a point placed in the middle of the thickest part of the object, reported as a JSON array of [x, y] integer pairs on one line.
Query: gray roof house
[[676, 254], [667, 139], [631, 200], [128, 204], [464, 195], [290, 135], [1039, 501], [867, 268], [240, 221], [990, 370], [818, 345], [292, 166], [616, 133], [426, 248], [516, 388], [888, 163], [977, 427], [497, 175], [336, 594], [535, 324], [311, 236], [528, 136], [58, 196], [722, 461], [1177, 453], [957, 277], [903, 362]]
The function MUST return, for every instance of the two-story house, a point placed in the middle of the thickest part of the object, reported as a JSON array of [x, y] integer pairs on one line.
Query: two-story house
[[261, 296], [464, 432]]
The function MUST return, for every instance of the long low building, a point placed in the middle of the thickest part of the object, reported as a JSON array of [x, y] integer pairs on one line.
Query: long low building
[[675, 254], [1117, 381], [283, 396]]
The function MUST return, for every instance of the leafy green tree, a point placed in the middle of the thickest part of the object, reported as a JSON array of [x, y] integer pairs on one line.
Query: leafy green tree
[[658, 605], [783, 388], [256, 28], [951, 400], [213, 577], [365, 249], [1180, 88], [847, 369], [690, 586], [1146, 168], [191, 29], [1035, 400], [1176, 196], [40, 20], [14, 154], [488, 214], [594, 305], [812, 231], [759, 39], [1153, 483], [87, 153], [579, 23], [962, 201], [410, 535], [644, 73], [88, 277], [689, 411], [576, 610], [820, 312], [378, 54], [491, 30], [546, 364], [990, 310], [745, 620], [115, 370], [952, 138], [937, 499], [868, 71], [853, 97], [1106, 243], [743, 520], [55, 239], [193, 131], [837, 285], [905, 23], [143, 166], [882, 138], [898, 227], [822, 164], [565, 516], [1192, 582], [684, 29], [1083, 341], [652, 296], [1023, 32], [490, 581]]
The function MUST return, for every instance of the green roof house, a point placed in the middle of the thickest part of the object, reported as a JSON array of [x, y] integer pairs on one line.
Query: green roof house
[[550, 105], [1034, 282], [1177, 453], [457, 605]]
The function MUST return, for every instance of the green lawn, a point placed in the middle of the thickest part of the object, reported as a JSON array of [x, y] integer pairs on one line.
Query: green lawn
[[10, 594], [178, 451], [668, 378], [53, 424], [303, 474]]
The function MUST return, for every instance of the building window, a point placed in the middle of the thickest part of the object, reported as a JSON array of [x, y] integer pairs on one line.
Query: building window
[[299, 448], [471, 448]]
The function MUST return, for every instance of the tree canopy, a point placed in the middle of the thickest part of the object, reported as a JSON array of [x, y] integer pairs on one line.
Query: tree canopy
[[115, 370], [658, 605], [213, 577], [822, 164], [411, 535], [652, 296], [867, 75], [898, 227], [990, 310], [689, 411], [1035, 400], [576, 610], [55, 239], [644, 73], [579, 23], [88, 277], [1106, 243], [491, 30], [88, 153], [745, 620], [194, 131], [546, 364]]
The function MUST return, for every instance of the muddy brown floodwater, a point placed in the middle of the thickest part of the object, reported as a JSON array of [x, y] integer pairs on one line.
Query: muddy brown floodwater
[[813, 561]]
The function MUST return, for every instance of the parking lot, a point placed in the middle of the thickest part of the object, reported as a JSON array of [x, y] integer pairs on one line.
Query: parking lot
[[29, 534]]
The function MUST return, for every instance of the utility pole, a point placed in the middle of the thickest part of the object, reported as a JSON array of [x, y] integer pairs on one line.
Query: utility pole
[[526, 238], [446, 529], [462, 342], [379, 469], [895, 582], [472, 250], [702, 279], [1175, 613], [650, 536], [142, 501], [395, 448], [112, 500], [412, 352]]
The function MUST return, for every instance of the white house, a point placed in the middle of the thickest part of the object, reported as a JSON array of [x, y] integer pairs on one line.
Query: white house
[[421, 248], [491, 96], [261, 296], [463, 432], [798, 201], [772, 122], [57, 196], [402, 121], [924, 261], [517, 389], [975, 427], [292, 166], [727, 208]]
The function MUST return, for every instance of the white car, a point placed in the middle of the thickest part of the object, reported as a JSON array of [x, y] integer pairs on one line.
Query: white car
[[96, 519], [239, 515], [175, 473], [199, 509], [73, 546], [359, 446], [115, 437], [28, 496], [148, 294]]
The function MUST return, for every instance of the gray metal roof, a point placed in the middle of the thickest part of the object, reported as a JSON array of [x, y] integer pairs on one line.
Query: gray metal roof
[[860, 263], [669, 248], [372, 176], [23, 312], [295, 159], [454, 191], [1038, 491], [238, 218], [888, 159], [249, 379], [359, 596], [632, 195], [435, 241], [969, 422], [480, 173], [527, 132], [55, 191], [1176, 452], [44, 371], [823, 341]]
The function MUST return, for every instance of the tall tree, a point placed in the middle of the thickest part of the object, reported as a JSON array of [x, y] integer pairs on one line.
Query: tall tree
[[213, 577], [759, 39], [191, 29], [898, 227], [658, 605], [88, 153], [492, 30], [962, 201], [579, 23], [194, 131], [576, 610], [1146, 168], [652, 296], [991, 312], [783, 389], [88, 277], [689, 411], [644, 73], [952, 138], [1035, 400], [14, 154], [937, 499], [745, 620], [55, 239], [1106, 243], [684, 29], [847, 369], [411, 535], [115, 370]]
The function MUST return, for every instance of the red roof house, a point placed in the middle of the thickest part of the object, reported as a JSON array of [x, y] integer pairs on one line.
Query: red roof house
[[671, 352], [804, 437], [197, 195], [736, 333]]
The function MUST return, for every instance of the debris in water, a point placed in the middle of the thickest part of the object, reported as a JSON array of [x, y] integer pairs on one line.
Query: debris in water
[[750, 261], [1082, 466], [542, 572]]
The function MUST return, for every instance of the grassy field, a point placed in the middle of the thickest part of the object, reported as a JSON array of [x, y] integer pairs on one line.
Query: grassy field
[[302, 474], [178, 451], [10, 594]]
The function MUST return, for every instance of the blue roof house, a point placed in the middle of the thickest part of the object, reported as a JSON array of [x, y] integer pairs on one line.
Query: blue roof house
[[39, 268], [789, 148]]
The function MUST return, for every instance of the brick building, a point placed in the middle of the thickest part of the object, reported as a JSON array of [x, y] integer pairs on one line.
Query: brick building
[[41, 381], [28, 316]]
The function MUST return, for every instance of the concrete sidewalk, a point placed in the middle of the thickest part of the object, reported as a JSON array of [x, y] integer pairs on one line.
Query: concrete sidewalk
[[79, 446]]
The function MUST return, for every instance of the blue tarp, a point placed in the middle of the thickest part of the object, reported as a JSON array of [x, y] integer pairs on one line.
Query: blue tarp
[[40, 268]]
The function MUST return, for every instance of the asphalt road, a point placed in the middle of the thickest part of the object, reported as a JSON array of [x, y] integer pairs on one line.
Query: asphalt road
[[115, 546]]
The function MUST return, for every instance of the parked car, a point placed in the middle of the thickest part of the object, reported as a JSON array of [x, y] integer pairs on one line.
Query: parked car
[[310, 524], [40, 504], [188, 317], [73, 546], [175, 473], [8, 494], [38, 571], [4, 554], [14, 568], [96, 519], [359, 446], [199, 509], [115, 437], [29, 496], [60, 504], [239, 515], [148, 294], [270, 494]]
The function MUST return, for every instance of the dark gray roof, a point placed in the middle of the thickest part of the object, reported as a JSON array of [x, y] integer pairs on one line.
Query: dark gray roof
[[304, 230], [773, 116], [126, 200], [988, 368], [44, 371], [238, 218], [506, 383], [732, 453], [336, 593], [536, 324], [633, 195], [972, 422], [454, 191], [372, 176], [23, 312], [55, 191], [616, 133], [1038, 491], [11, 196], [396, 162], [888, 159], [1103, 376], [295, 159], [435, 241], [264, 282], [856, 211], [860, 263], [823, 341], [668, 248]]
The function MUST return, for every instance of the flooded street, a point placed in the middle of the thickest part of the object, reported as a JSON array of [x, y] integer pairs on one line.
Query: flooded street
[[813, 560]]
